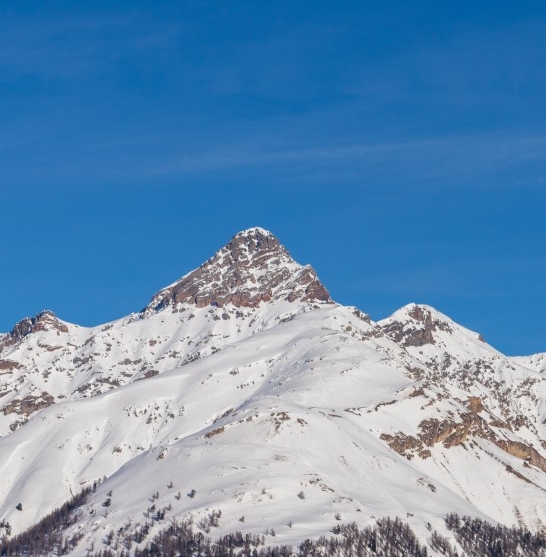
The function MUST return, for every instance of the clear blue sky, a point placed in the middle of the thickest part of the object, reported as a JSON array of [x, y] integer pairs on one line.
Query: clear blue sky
[[398, 147]]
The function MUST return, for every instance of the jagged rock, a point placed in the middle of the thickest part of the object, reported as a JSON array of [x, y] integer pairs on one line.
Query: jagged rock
[[43, 321], [406, 445], [452, 433], [9, 365], [253, 267], [523, 451], [475, 404], [417, 331], [29, 404]]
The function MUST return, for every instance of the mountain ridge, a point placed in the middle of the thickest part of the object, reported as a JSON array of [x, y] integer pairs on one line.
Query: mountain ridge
[[252, 267], [277, 404]]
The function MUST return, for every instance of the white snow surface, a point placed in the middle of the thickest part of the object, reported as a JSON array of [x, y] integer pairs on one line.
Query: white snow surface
[[280, 414], [536, 362]]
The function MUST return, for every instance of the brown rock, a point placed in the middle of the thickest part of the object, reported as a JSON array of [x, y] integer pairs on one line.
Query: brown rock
[[9, 365], [251, 269], [417, 332], [29, 404], [44, 321], [523, 451], [475, 404]]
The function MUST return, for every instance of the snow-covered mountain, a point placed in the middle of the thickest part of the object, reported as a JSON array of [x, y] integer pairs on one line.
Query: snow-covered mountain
[[243, 388]]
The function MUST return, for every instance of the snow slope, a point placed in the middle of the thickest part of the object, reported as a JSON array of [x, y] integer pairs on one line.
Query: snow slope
[[244, 385]]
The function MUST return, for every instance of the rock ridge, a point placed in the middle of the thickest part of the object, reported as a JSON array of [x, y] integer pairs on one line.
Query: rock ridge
[[46, 320], [416, 327], [253, 267]]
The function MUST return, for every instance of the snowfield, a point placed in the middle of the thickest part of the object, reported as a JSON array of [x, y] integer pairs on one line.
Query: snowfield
[[243, 388]]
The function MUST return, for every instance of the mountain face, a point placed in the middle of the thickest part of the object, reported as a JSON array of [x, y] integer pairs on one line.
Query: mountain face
[[44, 321], [252, 268], [242, 388]]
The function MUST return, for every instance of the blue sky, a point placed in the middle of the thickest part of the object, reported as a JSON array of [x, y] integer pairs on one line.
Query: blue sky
[[400, 148]]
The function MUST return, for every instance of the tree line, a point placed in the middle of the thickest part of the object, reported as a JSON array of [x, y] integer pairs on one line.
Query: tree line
[[388, 537]]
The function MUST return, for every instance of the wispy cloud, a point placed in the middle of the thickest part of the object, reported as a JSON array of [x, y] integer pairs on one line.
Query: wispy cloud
[[442, 160], [111, 96], [65, 45]]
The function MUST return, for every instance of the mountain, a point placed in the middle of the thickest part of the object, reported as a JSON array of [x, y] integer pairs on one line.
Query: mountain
[[243, 389], [252, 268]]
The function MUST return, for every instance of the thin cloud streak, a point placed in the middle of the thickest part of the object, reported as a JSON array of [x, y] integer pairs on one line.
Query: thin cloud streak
[[37, 47], [461, 157]]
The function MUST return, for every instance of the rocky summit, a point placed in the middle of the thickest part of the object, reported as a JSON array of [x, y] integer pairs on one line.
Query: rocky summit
[[253, 267], [243, 406], [43, 321]]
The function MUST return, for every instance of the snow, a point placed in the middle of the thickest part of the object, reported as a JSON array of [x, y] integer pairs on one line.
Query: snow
[[253, 231]]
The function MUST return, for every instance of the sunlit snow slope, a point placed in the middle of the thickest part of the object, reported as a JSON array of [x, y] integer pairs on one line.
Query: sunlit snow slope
[[243, 387]]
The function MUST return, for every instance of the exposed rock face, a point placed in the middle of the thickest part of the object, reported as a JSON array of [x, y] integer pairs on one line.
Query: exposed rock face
[[406, 445], [9, 365], [43, 321], [523, 451], [475, 404], [418, 329], [452, 433], [252, 268], [29, 404]]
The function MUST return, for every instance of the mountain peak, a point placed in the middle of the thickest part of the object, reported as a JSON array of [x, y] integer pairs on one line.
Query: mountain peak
[[422, 313], [253, 267], [414, 325], [46, 320], [420, 324], [254, 231], [255, 245]]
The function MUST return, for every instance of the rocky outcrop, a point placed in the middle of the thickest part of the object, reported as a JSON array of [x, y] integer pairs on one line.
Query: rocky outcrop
[[29, 404], [417, 329], [406, 445], [252, 268], [475, 404], [7, 366], [456, 430], [451, 432], [523, 451], [43, 321]]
